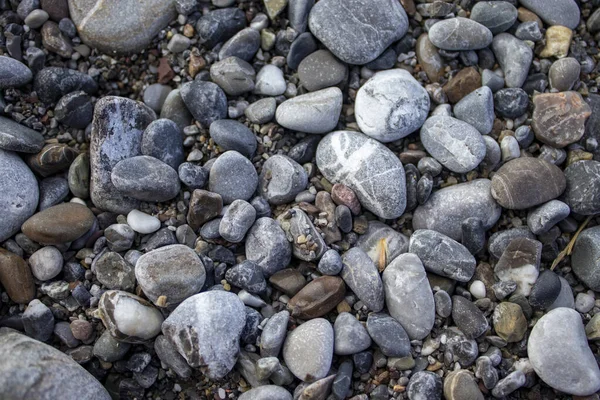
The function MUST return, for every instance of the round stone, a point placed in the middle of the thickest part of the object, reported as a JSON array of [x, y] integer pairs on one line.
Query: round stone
[[13, 73], [267, 245], [351, 337], [232, 135], [315, 112], [320, 70], [270, 81], [234, 75], [281, 179], [233, 177], [308, 350], [46, 263]]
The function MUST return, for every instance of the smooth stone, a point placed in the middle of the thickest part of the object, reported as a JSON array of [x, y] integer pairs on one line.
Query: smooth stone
[[13, 73], [457, 145], [307, 243], [155, 96], [53, 158], [16, 277], [233, 177], [236, 221], [391, 105], [565, 297], [19, 193], [219, 25], [298, 11], [267, 392], [163, 140], [191, 328], [131, 32], [248, 276], [145, 178], [529, 30], [429, 58], [584, 259], [261, 111], [564, 73], [545, 290], [442, 255], [267, 245], [382, 243], [233, 135], [514, 57], [460, 34], [443, 303], [511, 102], [582, 192], [388, 334], [564, 326], [17, 137], [367, 167], [330, 263], [178, 43], [343, 380], [468, 317], [274, 334], [119, 237], [270, 81], [243, 45], [52, 83], [316, 112], [75, 110], [174, 108], [59, 224], [357, 32], [167, 353], [203, 207], [477, 109], [492, 80], [38, 321], [142, 222], [308, 350], [362, 277], [555, 12], [46, 263], [351, 336], [281, 179], [544, 217], [526, 182], [424, 385], [251, 330], [408, 295], [234, 75], [447, 208], [317, 298], [205, 100], [460, 385], [520, 263], [320, 70], [497, 16]]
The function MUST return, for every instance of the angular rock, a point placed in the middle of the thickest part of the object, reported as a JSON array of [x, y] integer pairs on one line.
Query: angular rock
[[308, 350], [281, 179], [514, 58], [460, 34], [460, 385], [273, 334], [114, 272], [204, 206], [361, 275], [544, 217], [267, 245], [270, 81], [511, 102], [520, 263], [477, 109], [582, 194], [248, 276], [243, 45], [351, 337], [316, 112]]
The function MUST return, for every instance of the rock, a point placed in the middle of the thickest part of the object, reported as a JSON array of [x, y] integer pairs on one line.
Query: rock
[[320, 70], [14, 73], [509, 322], [174, 109], [447, 208], [236, 221], [496, 16], [204, 206], [261, 111], [351, 337], [75, 110], [193, 176], [298, 11], [455, 144], [308, 350], [461, 385], [408, 295], [382, 244], [270, 81], [145, 178], [119, 237], [442, 255], [53, 191], [178, 43], [17, 137], [205, 100], [565, 297], [555, 12], [167, 353], [142, 223], [511, 102], [443, 303], [429, 58], [464, 82], [52, 83], [564, 326], [130, 33], [31, 369], [514, 58], [108, 349], [361, 275], [281, 179], [391, 105], [317, 298], [16, 278], [46, 263], [529, 30], [492, 80], [163, 140], [581, 194], [585, 255], [468, 317], [307, 243], [19, 193], [355, 33], [243, 45], [155, 96], [315, 112], [520, 263], [267, 392], [368, 168], [233, 177], [424, 385], [233, 135], [330, 263], [477, 109], [248, 276], [525, 182], [52, 159], [544, 217], [38, 321], [273, 334], [559, 118], [59, 224], [564, 73], [234, 75], [388, 334], [191, 328], [460, 34], [267, 245], [173, 271], [54, 41]]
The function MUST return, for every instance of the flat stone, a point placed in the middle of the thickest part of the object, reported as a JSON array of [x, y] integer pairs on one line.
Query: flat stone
[[281, 179], [359, 31], [477, 109], [460, 34], [145, 178], [233, 135], [564, 73], [368, 168], [585, 255], [219, 25], [321, 69], [59, 224], [163, 140], [581, 194], [520, 263], [351, 336], [204, 206], [53, 158], [14, 73], [391, 105], [464, 82], [362, 277], [388, 334], [429, 58], [236, 221], [130, 32], [233, 177], [243, 45], [317, 298], [290, 281], [267, 245], [514, 57], [308, 350], [205, 100], [52, 83], [555, 12], [316, 112], [382, 243], [496, 16], [544, 217], [468, 317]]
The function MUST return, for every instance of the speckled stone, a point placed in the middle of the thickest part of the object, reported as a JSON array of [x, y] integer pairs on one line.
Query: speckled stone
[[308, 350], [559, 118], [267, 245], [17, 137], [555, 12], [205, 100], [362, 277], [514, 57], [585, 256], [582, 193]]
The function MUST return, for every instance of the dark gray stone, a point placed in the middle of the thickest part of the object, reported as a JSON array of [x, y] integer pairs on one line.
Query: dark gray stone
[[351, 337], [477, 109], [468, 317], [497, 16], [273, 334], [145, 178], [38, 321], [119, 237], [52, 83], [563, 73], [248, 276], [114, 272], [544, 217], [281, 179], [162, 139], [233, 177], [424, 385], [75, 110], [388, 334], [193, 176], [501, 239], [205, 100], [267, 245], [17, 137], [298, 11], [582, 193], [529, 30], [555, 12], [13, 73], [460, 34], [219, 25], [232, 135], [243, 45], [511, 102], [584, 259], [301, 47], [234, 75], [174, 109], [545, 290], [320, 70], [362, 277]]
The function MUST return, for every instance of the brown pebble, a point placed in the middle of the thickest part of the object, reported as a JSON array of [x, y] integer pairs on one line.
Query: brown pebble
[[290, 281], [52, 158], [58, 224], [463, 83], [343, 195], [509, 322], [430, 59], [524, 15], [318, 297], [165, 72], [16, 277], [53, 40], [204, 206], [82, 330], [324, 203], [56, 9], [461, 385]]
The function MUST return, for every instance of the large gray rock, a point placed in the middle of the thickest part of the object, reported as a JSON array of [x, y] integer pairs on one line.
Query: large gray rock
[[267, 245], [560, 355], [34, 370], [315, 112], [585, 259], [582, 193], [126, 26], [555, 12], [206, 330], [17, 137], [460, 34], [358, 31], [19, 193], [13, 73], [366, 166], [145, 178], [361, 275], [391, 105], [408, 295], [116, 135], [514, 57], [308, 350]]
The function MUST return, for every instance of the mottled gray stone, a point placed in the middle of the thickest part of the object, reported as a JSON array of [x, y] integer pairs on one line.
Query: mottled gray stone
[[468, 317], [17, 137], [248, 276], [119, 237], [38, 321], [492, 80], [234, 75], [424, 385], [268, 392], [155, 96], [261, 111], [514, 58], [236, 221], [243, 45], [460, 34], [351, 337], [52, 83], [442, 255], [114, 272], [270, 81], [219, 25], [366, 166], [391, 105], [511, 102], [362, 277], [382, 243], [388, 334], [315, 112], [586, 254], [233, 135], [477, 109], [273, 334], [520, 263], [408, 296], [308, 350], [53, 190], [205, 100], [193, 176], [498, 242], [145, 178], [298, 11], [109, 349], [529, 30], [163, 140], [582, 193], [544, 217], [267, 245], [320, 70], [233, 177], [281, 179], [497, 16], [563, 73], [555, 12], [13, 73], [330, 263], [299, 225], [358, 31]]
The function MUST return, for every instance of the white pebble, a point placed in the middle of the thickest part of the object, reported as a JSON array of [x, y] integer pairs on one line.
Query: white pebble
[[46, 263], [477, 289], [584, 302], [142, 223], [78, 201]]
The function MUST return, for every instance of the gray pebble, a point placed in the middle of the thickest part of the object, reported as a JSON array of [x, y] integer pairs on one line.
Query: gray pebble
[[529, 30], [270, 81], [193, 176], [492, 80], [75, 110], [468, 317], [248, 276], [174, 109], [114, 272], [424, 385], [267, 245], [583, 187], [497, 16], [145, 178], [281, 179], [351, 337], [477, 109], [234, 75], [555, 12], [362, 277], [511, 102], [219, 25], [388, 334], [330, 263], [261, 111], [443, 303], [155, 96], [119, 237], [233, 177], [320, 70], [232, 135], [459, 34], [563, 73], [38, 321], [205, 100], [13, 73], [53, 190], [315, 112], [273, 334], [308, 350], [243, 44], [236, 221], [585, 253], [163, 140], [544, 217], [514, 58], [46, 263], [17, 137]]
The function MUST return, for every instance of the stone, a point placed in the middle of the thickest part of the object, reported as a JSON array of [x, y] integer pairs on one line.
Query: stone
[[243, 45], [545, 290], [477, 109], [267, 392], [526, 182], [52, 191], [119, 237], [461, 348], [130, 33], [447, 208], [298, 11], [564, 73], [233, 177], [236, 221], [362, 277], [234, 75], [496, 16], [36, 18], [178, 43], [408, 296], [555, 12], [391, 105], [53, 158], [109, 349], [382, 243], [460, 34], [17, 137], [581, 194], [355, 33], [14, 73], [163, 140], [145, 178], [142, 222], [565, 297], [330, 263], [52, 83], [273, 334], [155, 96], [585, 255], [75, 110], [464, 82], [204, 206], [424, 385], [351, 337], [59, 224], [520, 263], [281, 179], [564, 326], [558, 119], [261, 111], [288, 280], [514, 57], [492, 80], [461, 385], [308, 350], [457, 145], [267, 245], [320, 70], [205, 100], [468, 317], [38, 321], [46, 263], [543, 218], [233, 135], [388, 334], [54, 41], [248, 276], [317, 298], [429, 58], [16, 278], [307, 243], [343, 380], [511, 102], [509, 322], [191, 328], [174, 108], [316, 112], [443, 303], [270, 81], [368, 168], [529, 30], [193, 176]]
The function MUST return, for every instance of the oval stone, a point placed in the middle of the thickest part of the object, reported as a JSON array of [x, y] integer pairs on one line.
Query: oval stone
[[583, 187], [315, 112], [586, 254], [58, 224], [559, 118], [497, 16], [17, 137], [145, 178], [318, 297], [16, 277], [361, 275], [460, 34], [308, 350], [514, 57]]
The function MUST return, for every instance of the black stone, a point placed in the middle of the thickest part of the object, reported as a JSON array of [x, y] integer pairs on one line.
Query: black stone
[[75, 110], [511, 102], [545, 290], [52, 83], [219, 25]]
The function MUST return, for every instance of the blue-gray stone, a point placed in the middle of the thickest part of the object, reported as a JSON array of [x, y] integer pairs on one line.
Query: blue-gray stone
[[477, 109], [17, 137], [460, 34], [555, 12], [497, 16], [362, 277], [205, 100], [514, 57], [163, 140], [145, 178]]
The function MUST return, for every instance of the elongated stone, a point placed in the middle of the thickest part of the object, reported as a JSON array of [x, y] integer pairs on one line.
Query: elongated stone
[[388, 334], [318, 297], [514, 57], [586, 254], [58, 224], [17, 137], [315, 112], [361, 275], [460, 34], [429, 58], [16, 277], [555, 12]]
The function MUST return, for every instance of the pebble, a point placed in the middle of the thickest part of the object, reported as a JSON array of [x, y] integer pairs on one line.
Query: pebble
[[219, 25], [308, 350], [408, 295], [351, 336], [358, 32], [468, 317], [379, 188], [320, 70], [318, 297], [496, 16], [236, 221], [563, 73], [52, 83], [555, 12], [261, 111], [267, 245], [388, 334], [343, 380], [155, 96], [424, 385], [564, 326], [233, 177], [584, 302], [391, 105], [234, 75], [203, 207], [174, 108], [59, 224], [46, 263], [455, 144], [565, 297], [298, 11], [52, 191], [270, 81], [362, 277], [330, 263], [584, 256], [243, 45], [544, 217], [460, 34], [316, 112], [191, 329], [274, 334], [16, 277], [36, 18], [281, 179], [477, 109], [460, 385], [193, 176], [511, 102], [307, 243], [545, 290], [526, 182], [142, 222], [529, 30], [17, 137], [268, 392], [430, 59], [145, 178], [248, 276], [514, 57], [14, 73], [205, 100], [443, 303], [178, 43], [162, 139], [509, 322], [581, 193], [130, 33], [461, 84], [38, 321], [114, 272], [75, 110], [510, 148], [520, 263], [54, 41]]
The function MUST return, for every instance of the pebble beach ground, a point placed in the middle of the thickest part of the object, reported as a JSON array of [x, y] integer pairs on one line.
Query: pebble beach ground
[[299, 199]]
